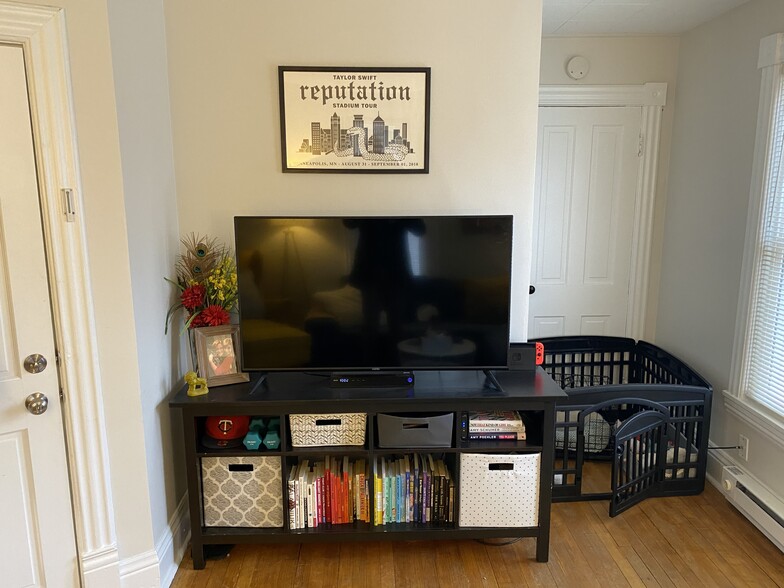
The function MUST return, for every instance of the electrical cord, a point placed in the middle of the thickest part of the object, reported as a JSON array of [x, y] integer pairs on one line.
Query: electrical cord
[[727, 447]]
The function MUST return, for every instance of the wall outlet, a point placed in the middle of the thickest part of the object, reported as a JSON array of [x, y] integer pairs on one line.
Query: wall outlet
[[743, 447]]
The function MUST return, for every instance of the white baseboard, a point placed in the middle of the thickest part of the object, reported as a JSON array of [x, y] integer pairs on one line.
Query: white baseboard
[[100, 569], [156, 568], [140, 571], [172, 545]]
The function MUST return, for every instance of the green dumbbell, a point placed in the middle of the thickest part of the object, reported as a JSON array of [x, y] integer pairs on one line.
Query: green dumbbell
[[271, 440]]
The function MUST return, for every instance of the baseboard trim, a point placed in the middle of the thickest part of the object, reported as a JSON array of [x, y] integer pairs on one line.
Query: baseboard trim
[[100, 569], [140, 571], [172, 545]]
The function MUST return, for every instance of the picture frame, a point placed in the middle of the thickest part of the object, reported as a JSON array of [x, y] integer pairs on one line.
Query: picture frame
[[216, 354], [354, 119]]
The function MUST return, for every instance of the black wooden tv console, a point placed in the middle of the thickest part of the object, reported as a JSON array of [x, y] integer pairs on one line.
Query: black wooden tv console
[[532, 393]]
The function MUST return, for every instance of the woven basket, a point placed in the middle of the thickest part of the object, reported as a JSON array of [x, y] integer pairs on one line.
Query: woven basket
[[320, 430]]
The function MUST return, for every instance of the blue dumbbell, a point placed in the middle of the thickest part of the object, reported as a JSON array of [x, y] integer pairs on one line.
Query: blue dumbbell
[[271, 440], [257, 424], [252, 440]]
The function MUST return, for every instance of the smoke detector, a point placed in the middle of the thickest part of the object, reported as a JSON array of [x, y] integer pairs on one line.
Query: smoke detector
[[577, 67]]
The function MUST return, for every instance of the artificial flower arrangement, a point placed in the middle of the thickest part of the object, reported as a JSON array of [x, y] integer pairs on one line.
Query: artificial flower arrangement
[[207, 280]]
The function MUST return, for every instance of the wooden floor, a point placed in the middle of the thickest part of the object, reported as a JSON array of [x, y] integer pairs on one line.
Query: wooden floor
[[681, 541]]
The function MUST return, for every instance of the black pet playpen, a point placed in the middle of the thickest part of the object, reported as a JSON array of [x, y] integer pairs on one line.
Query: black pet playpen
[[633, 405]]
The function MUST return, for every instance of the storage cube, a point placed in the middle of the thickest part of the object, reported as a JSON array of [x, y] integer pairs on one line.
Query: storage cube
[[499, 490], [242, 491], [321, 430], [419, 431]]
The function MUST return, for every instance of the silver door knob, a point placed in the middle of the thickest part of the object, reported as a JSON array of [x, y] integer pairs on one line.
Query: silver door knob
[[37, 403], [35, 363]]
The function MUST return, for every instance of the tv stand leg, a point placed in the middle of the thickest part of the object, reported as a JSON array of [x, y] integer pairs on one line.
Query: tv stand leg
[[197, 555], [493, 382]]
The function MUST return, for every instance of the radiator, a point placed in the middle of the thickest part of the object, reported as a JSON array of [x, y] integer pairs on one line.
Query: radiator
[[757, 503]]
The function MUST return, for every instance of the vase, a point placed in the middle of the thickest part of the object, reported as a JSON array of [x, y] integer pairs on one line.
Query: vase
[[192, 349]]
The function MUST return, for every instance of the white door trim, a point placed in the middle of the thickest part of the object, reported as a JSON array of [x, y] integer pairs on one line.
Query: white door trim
[[40, 31], [651, 97]]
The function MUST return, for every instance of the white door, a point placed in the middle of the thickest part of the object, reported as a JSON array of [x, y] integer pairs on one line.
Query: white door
[[37, 545], [586, 183]]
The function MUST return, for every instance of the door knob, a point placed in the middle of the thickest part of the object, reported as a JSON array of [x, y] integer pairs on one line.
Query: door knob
[[37, 403], [531, 289], [35, 363]]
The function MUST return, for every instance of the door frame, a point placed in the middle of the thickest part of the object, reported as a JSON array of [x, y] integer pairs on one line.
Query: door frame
[[40, 31], [651, 98]]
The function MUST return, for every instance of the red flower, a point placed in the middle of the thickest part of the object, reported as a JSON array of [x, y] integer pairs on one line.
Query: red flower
[[193, 296], [215, 316], [198, 321]]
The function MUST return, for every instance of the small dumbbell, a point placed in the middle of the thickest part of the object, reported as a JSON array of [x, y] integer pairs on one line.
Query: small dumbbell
[[252, 440], [271, 440]]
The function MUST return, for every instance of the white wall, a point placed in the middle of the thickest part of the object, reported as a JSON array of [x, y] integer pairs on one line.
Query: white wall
[[144, 117], [223, 58], [104, 218], [619, 61], [710, 175]]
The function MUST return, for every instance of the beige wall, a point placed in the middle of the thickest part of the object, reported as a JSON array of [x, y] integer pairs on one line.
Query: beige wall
[[144, 120], [626, 60], [223, 59], [710, 178]]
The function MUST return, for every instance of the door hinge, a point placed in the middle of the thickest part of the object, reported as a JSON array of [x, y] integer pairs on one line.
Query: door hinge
[[69, 207], [62, 395], [641, 146]]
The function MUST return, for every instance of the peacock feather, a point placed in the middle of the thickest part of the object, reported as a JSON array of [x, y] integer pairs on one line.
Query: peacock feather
[[201, 255]]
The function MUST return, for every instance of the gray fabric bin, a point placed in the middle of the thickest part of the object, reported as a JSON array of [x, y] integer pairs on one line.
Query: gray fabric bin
[[400, 430]]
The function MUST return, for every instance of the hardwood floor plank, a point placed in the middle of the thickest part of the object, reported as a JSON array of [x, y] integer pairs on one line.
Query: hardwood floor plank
[[624, 565], [656, 552], [318, 566], [456, 564], [685, 541], [250, 561], [575, 569], [477, 564], [369, 563], [513, 565], [413, 562]]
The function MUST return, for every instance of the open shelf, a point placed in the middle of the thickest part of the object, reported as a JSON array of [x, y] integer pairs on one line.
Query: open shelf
[[533, 395]]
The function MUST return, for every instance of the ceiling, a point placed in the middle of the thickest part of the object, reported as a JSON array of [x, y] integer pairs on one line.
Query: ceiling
[[629, 17]]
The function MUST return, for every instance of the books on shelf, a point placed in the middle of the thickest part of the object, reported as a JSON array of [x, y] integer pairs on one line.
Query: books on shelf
[[411, 488], [496, 425], [496, 436]]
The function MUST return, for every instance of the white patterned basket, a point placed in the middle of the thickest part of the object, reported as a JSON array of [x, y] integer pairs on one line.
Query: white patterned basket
[[321, 430], [242, 491], [499, 490]]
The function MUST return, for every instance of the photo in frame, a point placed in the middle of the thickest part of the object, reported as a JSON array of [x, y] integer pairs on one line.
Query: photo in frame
[[216, 352], [355, 119]]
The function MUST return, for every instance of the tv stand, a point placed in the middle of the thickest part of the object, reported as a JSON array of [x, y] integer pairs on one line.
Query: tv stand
[[532, 393]]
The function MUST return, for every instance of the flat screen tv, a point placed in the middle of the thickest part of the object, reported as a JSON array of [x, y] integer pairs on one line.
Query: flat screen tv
[[374, 293]]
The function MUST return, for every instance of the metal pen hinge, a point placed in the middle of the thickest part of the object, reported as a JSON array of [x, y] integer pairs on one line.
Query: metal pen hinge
[[68, 205]]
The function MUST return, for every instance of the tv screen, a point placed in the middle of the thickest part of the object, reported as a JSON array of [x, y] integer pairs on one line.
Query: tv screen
[[361, 293]]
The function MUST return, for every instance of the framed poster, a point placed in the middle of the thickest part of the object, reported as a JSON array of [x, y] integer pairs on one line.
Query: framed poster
[[355, 119]]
